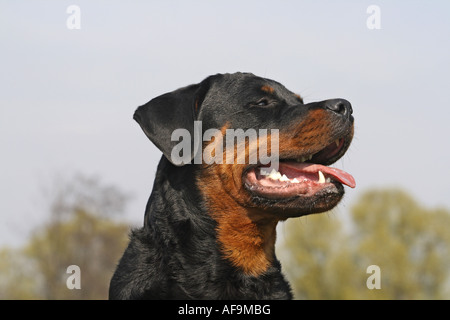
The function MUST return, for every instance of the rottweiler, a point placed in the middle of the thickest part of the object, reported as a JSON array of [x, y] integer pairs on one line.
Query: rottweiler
[[210, 225]]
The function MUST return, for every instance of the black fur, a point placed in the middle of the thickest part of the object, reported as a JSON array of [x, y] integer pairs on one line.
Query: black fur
[[176, 254]]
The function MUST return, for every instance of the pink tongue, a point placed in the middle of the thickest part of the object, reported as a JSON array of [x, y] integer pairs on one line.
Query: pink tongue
[[340, 175]]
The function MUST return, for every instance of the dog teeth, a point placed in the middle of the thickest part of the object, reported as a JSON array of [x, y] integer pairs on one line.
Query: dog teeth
[[337, 143], [304, 158], [274, 175], [321, 177]]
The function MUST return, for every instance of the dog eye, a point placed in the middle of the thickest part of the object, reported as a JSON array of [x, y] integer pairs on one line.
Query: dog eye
[[262, 103]]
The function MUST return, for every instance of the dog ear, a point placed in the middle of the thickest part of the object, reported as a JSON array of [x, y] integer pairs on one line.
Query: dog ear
[[161, 116]]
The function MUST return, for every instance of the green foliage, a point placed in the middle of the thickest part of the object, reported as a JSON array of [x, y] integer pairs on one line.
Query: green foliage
[[94, 244], [321, 258], [409, 243], [79, 232], [17, 275]]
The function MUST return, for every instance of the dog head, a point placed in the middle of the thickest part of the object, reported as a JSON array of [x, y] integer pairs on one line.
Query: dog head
[[260, 118]]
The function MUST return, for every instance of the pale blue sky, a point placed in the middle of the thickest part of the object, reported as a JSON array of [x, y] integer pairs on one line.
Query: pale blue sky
[[67, 96]]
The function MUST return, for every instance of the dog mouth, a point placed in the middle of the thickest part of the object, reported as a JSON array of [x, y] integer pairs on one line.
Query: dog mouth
[[304, 176]]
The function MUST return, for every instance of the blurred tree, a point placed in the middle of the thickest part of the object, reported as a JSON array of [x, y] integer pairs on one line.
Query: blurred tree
[[80, 231], [310, 246], [64, 196], [94, 244], [410, 245], [17, 275]]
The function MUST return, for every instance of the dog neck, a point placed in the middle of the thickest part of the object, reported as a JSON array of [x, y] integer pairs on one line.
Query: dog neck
[[248, 244], [246, 235]]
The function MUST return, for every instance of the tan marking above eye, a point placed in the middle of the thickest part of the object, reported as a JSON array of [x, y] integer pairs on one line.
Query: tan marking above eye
[[268, 89]]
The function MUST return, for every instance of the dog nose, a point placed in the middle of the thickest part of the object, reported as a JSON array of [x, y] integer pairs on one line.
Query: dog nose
[[340, 106]]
